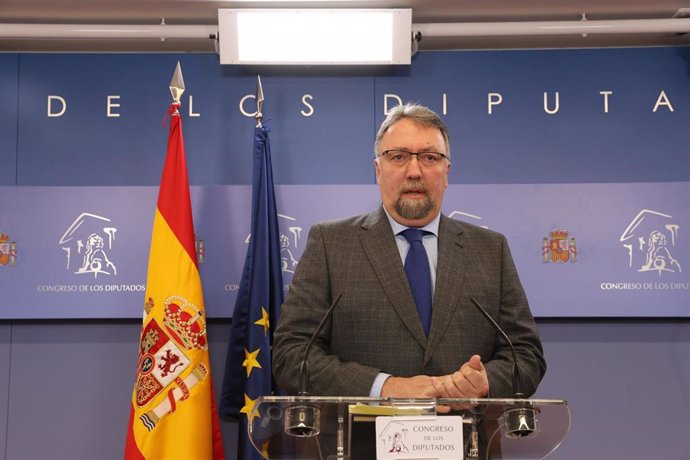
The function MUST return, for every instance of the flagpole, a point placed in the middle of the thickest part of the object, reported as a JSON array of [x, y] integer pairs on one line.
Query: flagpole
[[259, 102], [177, 87]]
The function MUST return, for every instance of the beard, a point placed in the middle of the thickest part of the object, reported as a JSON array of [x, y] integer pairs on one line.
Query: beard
[[413, 209]]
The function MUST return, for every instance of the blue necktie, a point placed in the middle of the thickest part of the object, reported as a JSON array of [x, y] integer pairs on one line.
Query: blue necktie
[[419, 275]]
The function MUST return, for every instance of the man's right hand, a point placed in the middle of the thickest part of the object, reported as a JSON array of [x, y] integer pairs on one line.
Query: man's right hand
[[419, 386], [423, 386]]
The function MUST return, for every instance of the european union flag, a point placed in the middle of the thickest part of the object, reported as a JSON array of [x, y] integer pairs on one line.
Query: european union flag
[[248, 368]]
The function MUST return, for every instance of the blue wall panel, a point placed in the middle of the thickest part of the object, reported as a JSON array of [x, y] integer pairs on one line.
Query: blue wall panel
[[5, 353], [86, 146], [626, 384], [66, 386], [519, 142], [625, 381], [106, 149], [71, 390], [323, 124], [8, 120], [72, 385]]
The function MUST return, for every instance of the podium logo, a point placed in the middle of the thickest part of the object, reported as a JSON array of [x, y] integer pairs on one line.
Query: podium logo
[[394, 438], [650, 240], [87, 244]]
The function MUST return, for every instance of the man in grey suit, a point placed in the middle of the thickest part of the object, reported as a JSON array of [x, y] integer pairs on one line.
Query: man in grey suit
[[380, 341]]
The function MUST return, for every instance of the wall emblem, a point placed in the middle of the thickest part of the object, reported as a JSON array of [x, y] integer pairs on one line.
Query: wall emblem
[[467, 217], [289, 243], [200, 250], [559, 247], [87, 244], [8, 250], [650, 240]]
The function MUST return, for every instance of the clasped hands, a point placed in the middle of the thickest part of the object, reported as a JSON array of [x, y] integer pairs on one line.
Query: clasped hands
[[470, 381]]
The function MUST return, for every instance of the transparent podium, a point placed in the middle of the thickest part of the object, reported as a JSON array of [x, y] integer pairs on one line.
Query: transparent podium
[[344, 428]]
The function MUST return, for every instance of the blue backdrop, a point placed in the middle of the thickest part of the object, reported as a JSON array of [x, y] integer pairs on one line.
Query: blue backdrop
[[578, 156]]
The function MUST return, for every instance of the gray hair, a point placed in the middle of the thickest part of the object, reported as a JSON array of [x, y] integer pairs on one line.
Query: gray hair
[[417, 113]]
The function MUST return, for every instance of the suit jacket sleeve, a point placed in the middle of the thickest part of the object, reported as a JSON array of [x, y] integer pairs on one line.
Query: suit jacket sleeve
[[309, 298]]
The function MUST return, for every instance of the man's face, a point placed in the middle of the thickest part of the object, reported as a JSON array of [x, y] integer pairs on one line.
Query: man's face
[[412, 193]]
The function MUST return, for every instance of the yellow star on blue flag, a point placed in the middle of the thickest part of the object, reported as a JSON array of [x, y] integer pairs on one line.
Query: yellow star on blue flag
[[250, 361], [248, 406], [263, 321]]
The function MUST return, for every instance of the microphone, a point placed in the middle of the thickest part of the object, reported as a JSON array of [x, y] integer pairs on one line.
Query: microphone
[[520, 419], [302, 420], [304, 365]]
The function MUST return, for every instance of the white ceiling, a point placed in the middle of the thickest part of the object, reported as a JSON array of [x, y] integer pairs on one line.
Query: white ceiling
[[204, 12]]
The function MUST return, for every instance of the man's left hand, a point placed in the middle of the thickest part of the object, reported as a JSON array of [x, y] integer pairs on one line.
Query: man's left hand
[[470, 381]]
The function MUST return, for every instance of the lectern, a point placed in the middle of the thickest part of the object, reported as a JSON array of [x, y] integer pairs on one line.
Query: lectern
[[353, 428]]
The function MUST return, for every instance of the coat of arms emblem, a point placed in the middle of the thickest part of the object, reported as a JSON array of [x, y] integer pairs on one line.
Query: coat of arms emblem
[[163, 358], [559, 247], [8, 250]]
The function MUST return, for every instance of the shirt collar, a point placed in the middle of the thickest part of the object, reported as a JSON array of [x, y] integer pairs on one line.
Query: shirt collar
[[431, 227]]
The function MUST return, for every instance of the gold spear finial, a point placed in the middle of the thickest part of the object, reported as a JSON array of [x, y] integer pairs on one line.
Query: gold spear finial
[[259, 102], [177, 84]]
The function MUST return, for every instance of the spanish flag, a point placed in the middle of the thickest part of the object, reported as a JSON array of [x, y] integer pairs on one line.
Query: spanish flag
[[173, 414]]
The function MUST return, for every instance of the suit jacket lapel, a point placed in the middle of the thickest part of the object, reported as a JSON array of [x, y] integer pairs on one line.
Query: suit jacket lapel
[[450, 276], [379, 244]]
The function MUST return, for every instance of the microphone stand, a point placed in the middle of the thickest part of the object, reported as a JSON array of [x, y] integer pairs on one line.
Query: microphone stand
[[520, 419], [302, 420]]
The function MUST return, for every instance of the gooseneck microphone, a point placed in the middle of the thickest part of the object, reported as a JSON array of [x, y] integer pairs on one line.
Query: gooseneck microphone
[[517, 377], [301, 419], [520, 419], [304, 365]]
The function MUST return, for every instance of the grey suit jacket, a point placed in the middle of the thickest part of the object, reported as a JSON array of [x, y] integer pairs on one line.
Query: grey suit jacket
[[376, 327]]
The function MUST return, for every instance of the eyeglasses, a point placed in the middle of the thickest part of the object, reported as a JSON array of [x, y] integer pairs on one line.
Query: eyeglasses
[[402, 157]]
